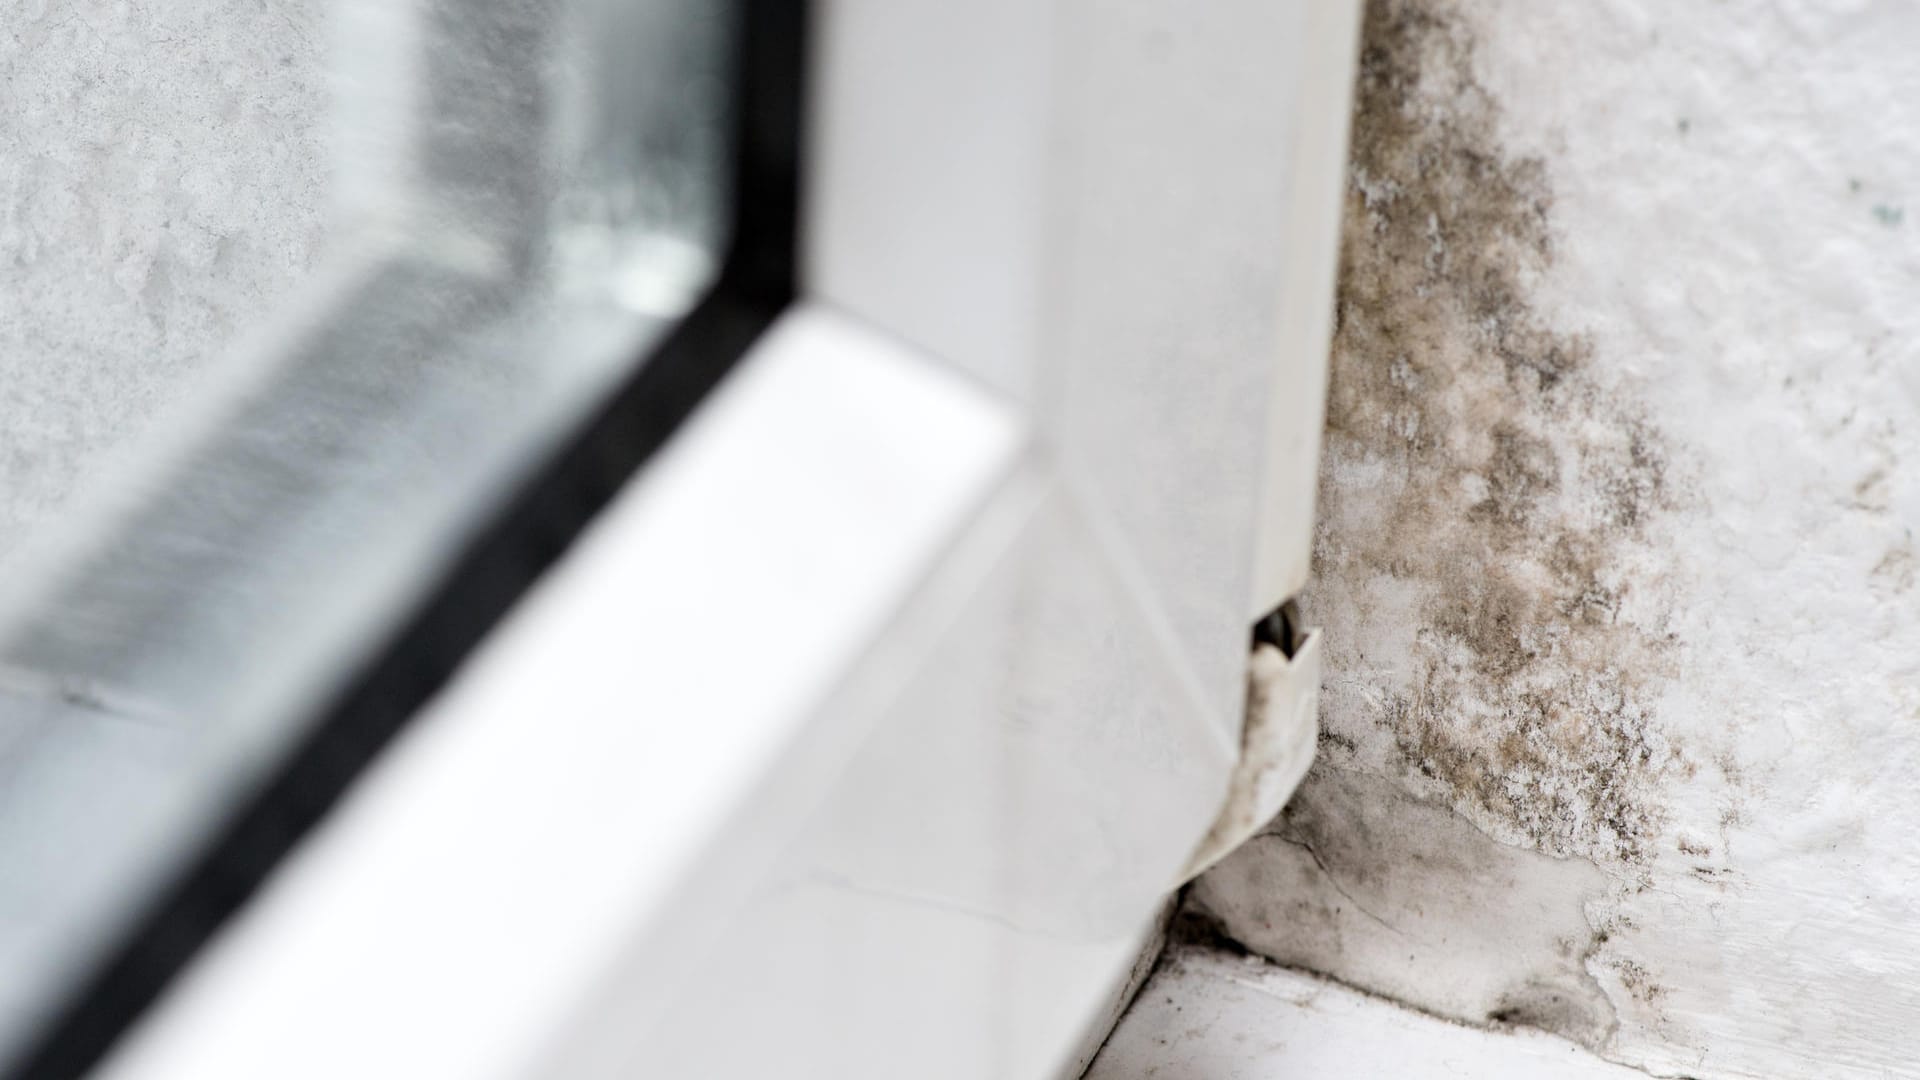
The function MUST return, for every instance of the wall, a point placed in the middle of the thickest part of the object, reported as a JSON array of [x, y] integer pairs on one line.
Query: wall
[[1615, 555]]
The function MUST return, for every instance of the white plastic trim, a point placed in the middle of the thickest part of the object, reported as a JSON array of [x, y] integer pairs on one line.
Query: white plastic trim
[[1276, 746], [455, 912]]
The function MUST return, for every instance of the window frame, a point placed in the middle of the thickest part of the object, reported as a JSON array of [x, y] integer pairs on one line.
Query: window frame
[[938, 238]]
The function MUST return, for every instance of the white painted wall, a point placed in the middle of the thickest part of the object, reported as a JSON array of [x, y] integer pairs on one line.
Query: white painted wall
[[1616, 560]]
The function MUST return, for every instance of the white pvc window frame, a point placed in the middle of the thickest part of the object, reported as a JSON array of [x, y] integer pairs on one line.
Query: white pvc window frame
[[865, 729]]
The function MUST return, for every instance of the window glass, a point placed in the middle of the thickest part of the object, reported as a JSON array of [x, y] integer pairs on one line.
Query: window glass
[[302, 294], [163, 179]]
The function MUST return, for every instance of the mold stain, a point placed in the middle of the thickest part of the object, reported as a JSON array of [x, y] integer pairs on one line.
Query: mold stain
[[1483, 483], [1894, 574]]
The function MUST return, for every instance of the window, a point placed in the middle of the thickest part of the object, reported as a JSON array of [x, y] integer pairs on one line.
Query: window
[[647, 608], [534, 270]]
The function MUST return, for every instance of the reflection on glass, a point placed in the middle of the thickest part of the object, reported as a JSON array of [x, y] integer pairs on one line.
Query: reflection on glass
[[237, 445]]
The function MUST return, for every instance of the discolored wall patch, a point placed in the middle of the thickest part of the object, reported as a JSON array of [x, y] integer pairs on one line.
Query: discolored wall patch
[[1615, 557], [1482, 485], [1490, 767]]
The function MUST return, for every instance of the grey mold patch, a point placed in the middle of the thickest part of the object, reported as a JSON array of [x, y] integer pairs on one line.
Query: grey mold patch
[[1327, 887], [1484, 487], [1491, 771]]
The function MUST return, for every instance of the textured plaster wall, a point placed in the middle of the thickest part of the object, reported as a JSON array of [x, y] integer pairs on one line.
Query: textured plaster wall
[[1616, 559], [162, 182]]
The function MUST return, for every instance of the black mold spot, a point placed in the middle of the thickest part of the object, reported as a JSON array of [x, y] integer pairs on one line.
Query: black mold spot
[[1537, 1007], [1334, 739], [1639, 981]]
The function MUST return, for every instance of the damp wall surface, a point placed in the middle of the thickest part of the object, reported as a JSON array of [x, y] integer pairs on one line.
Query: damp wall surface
[[1615, 554]]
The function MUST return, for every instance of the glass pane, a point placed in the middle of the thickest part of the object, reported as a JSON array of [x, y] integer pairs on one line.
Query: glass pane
[[163, 181], [308, 288]]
